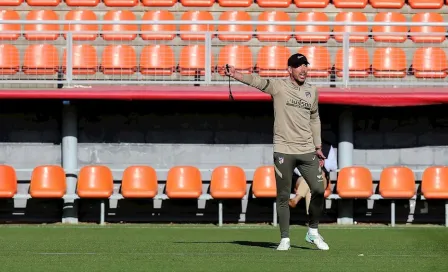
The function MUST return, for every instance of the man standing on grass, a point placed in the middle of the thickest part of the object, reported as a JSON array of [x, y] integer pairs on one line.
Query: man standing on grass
[[297, 142]]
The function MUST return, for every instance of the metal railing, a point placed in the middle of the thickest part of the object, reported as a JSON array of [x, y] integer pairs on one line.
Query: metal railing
[[209, 75]]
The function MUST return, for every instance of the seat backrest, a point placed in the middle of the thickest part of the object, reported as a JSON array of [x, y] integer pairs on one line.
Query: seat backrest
[[274, 4], [272, 60], [358, 59], [387, 4], [235, 16], [41, 15], [228, 182], [116, 32], [159, 3], [355, 16], [9, 59], [82, 3], [426, 4], [239, 56], [193, 17], [8, 181], [139, 182], [9, 15], [389, 59], [349, 4], [48, 181], [41, 59], [429, 59], [43, 3], [184, 182], [121, 3], [192, 59], [273, 16], [263, 184], [157, 57], [311, 3], [81, 15], [95, 181], [435, 182], [380, 32], [397, 182], [312, 31], [318, 57], [84, 59], [354, 182], [119, 59], [428, 17], [158, 15], [235, 3]]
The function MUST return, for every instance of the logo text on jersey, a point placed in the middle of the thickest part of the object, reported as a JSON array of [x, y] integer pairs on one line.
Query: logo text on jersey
[[300, 103]]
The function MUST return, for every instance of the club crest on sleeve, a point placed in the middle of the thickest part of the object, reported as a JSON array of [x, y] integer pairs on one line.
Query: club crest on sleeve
[[280, 160]]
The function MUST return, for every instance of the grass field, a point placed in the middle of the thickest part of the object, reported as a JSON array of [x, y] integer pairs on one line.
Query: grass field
[[210, 248]]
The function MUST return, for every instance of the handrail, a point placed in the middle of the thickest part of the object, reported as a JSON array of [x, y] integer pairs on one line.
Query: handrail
[[218, 22]]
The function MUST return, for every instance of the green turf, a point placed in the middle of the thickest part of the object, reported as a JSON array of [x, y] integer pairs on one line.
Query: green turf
[[210, 248]]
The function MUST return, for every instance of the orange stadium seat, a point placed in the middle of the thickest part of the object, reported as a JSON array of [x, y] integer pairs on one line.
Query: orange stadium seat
[[8, 184], [311, 3], [237, 16], [84, 59], [157, 60], [428, 17], [235, 3], [239, 56], [119, 60], [11, 2], [117, 16], [192, 60], [158, 15], [40, 15], [121, 3], [196, 16], [387, 17], [139, 182], [435, 182], [354, 182], [274, 16], [312, 31], [397, 182], [272, 61], [354, 4], [81, 15], [426, 4], [351, 17], [184, 182], [263, 184], [41, 59], [197, 3], [319, 59], [228, 182], [48, 181], [159, 3], [45, 3], [389, 63], [358, 62], [429, 62], [82, 3], [9, 59], [387, 4], [274, 3], [9, 15], [95, 181]]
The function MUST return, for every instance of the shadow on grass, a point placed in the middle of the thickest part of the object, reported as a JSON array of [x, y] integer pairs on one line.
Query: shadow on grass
[[247, 243]]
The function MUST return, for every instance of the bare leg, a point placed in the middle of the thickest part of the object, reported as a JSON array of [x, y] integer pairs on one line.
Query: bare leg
[[301, 189]]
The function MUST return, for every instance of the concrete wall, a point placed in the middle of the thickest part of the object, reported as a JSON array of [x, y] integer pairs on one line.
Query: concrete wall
[[208, 134]]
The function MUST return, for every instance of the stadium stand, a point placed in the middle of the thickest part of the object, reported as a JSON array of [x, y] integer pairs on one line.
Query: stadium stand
[[117, 46]]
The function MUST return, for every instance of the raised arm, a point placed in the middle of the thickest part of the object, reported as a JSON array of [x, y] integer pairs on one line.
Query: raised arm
[[315, 122], [253, 80]]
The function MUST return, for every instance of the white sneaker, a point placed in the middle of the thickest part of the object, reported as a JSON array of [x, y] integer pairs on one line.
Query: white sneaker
[[317, 240], [284, 244]]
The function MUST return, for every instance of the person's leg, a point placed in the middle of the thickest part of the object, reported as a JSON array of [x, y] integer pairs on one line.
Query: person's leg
[[283, 167], [308, 195], [301, 191], [312, 173]]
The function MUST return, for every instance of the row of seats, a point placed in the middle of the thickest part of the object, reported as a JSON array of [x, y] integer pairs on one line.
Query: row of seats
[[311, 33], [43, 59], [415, 4], [226, 182]]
